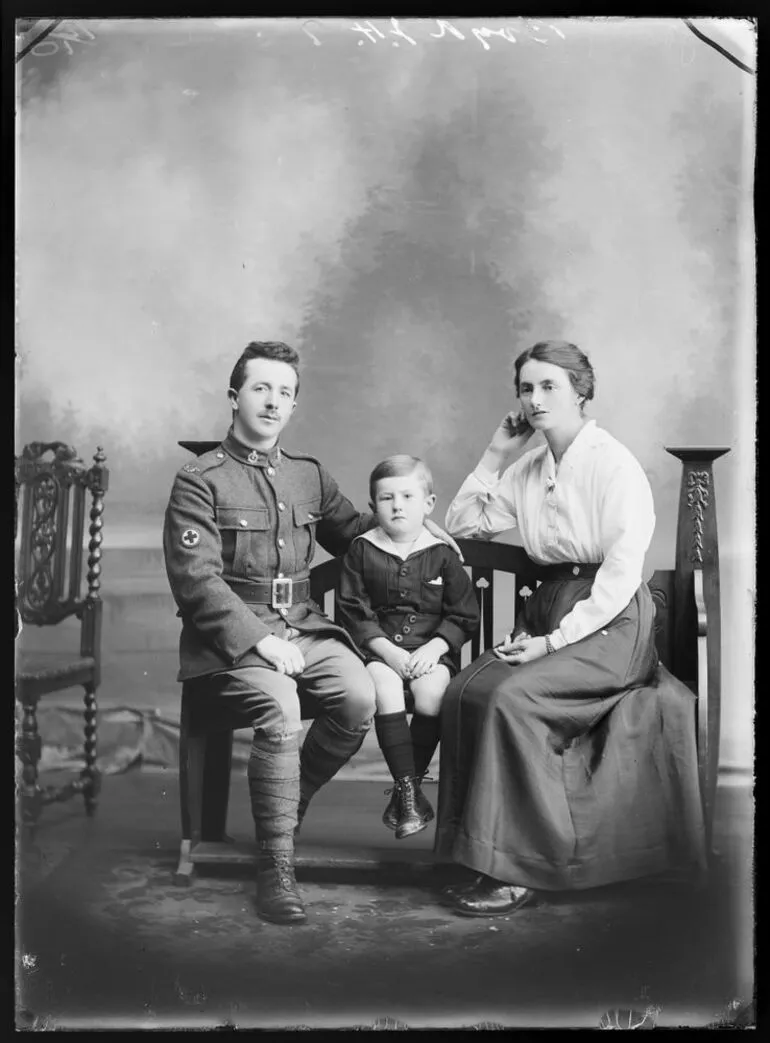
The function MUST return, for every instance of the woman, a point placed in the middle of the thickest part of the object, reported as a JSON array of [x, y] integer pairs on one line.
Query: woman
[[568, 755]]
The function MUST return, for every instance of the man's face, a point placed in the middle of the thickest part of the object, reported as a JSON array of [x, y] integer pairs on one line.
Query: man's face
[[264, 403]]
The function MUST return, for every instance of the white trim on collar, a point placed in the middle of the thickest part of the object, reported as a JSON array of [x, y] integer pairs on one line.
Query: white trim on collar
[[380, 539]]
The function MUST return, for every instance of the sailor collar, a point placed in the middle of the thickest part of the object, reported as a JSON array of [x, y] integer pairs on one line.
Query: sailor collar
[[380, 539]]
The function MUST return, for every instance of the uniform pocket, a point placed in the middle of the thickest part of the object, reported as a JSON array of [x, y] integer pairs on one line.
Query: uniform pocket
[[306, 515], [239, 526], [243, 519]]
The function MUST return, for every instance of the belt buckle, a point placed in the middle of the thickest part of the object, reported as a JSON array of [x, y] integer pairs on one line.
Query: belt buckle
[[282, 592]]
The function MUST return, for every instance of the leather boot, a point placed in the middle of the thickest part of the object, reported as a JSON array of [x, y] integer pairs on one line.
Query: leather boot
[[490, 897], [391, 814], [451, 892], [278, 897], [414, 810]]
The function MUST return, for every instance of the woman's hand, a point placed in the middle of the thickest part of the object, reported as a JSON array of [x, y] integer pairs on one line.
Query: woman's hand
[[513, 433], [439, 533], [521, 649]]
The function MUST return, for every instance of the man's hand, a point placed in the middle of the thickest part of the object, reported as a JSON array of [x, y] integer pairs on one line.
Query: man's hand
[[424, 659], [521, 649], [439, 533], [283, 655]]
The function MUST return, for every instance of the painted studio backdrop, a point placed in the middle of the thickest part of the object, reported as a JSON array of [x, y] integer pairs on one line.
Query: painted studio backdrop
[[410, 204]]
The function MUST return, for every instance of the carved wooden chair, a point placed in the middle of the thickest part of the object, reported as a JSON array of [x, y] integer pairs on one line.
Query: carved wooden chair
[[52, 485], [687, 632]]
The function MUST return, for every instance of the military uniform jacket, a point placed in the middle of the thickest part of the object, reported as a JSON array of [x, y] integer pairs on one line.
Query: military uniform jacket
[[236, 515], [407, 601]]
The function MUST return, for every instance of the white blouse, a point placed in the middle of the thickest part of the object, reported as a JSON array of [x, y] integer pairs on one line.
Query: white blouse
[[596, 506]]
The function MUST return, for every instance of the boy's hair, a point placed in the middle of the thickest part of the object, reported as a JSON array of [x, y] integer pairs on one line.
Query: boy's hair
[[399, 466], [264, 349]]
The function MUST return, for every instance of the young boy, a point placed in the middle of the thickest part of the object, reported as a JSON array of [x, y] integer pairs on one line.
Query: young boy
[[409, 606]]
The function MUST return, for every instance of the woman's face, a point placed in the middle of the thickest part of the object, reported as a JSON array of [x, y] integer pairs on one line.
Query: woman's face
[[547, 396]]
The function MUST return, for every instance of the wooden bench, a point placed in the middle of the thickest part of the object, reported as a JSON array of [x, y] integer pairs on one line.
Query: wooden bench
[[687, 632]]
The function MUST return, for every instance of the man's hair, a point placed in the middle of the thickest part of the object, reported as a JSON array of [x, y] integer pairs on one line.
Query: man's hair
[[275, 350], [568, 357], [399, 466]]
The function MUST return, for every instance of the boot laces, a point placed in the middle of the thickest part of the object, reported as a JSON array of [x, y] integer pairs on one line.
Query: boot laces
[[283, 867], [407, 793]]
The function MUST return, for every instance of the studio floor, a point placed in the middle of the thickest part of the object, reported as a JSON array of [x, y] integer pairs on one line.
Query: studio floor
[[105, 939]]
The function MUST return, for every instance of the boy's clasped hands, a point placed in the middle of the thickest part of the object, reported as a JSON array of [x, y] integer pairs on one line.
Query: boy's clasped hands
[[422, 660]]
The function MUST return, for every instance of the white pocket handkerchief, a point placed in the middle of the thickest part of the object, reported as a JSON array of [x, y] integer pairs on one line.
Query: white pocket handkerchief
[[437, 582]]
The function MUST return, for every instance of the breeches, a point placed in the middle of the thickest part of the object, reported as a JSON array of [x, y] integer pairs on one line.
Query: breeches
[[269, 701]]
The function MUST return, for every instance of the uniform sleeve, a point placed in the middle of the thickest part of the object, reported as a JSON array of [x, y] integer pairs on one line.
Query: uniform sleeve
[[483, 506], [354, 609], [192, 547], [460, 611], [340, 522], [627, 522]]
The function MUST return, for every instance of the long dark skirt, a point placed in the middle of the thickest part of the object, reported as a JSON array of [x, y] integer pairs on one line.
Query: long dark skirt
[[576, 769]]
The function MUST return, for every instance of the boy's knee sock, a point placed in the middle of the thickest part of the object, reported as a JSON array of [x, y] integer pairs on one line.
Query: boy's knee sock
[[395, 741], [327, 747], [273, 773], [425, 736]]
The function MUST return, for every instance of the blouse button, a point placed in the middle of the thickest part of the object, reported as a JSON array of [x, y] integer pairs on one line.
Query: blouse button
[[271, 471], [281, 541], [404, 570], [397, 638]]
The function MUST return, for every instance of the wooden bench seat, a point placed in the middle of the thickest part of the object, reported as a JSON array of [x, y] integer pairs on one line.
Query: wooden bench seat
[[687, 634]]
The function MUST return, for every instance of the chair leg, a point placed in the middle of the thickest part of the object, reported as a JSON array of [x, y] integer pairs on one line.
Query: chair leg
[[90, 772], [185, 870], [30, 749], [216, 786]]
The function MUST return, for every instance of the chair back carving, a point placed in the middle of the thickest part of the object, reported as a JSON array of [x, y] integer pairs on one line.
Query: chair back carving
[[52, 486]]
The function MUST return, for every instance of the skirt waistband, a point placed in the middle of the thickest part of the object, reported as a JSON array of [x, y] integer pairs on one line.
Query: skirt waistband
[[568, 570]]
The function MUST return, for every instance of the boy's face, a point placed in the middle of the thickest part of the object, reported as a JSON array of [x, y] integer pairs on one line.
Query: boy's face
[[264, 403], [401, 505]]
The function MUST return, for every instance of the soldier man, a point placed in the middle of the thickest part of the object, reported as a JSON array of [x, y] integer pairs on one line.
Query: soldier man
[[239, 537]]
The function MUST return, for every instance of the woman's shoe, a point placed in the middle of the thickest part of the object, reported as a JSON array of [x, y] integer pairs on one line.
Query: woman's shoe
[[490, 897], [414, 810], [451, 892]]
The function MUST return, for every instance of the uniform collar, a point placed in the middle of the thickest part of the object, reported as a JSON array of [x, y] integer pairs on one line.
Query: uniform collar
[[381, 540], [243, 453]]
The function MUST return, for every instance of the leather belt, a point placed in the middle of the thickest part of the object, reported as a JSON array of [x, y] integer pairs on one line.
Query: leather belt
[[282, 592], [568, 570]]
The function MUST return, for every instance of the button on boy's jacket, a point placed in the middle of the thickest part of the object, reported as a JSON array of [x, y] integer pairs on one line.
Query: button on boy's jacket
[[235, 516]]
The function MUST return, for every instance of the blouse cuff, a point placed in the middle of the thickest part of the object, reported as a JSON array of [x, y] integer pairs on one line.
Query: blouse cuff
[[557, 640]]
